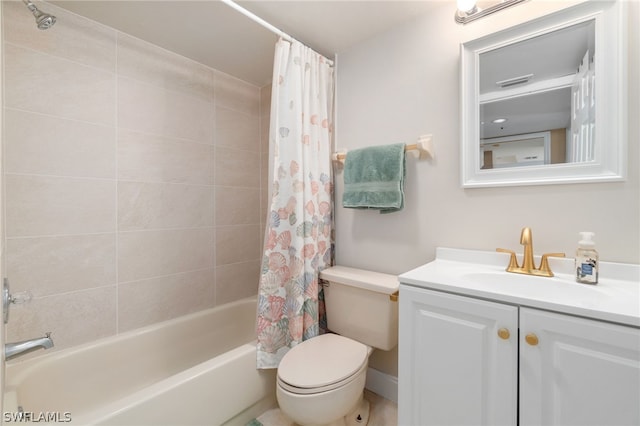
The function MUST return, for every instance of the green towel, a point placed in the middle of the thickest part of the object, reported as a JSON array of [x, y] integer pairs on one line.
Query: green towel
[[374, 178]]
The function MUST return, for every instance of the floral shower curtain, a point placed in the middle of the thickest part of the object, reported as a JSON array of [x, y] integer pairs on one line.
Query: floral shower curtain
[[298, 240]]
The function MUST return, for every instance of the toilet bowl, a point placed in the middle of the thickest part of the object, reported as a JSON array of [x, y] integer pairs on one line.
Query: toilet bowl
[[321, 380]]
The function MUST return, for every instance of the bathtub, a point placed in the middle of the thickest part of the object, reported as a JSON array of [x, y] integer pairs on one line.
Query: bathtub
[[198, 369]]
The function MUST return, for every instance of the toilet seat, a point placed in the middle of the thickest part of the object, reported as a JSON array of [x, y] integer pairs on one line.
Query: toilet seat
[[321, 364], [321, 389]]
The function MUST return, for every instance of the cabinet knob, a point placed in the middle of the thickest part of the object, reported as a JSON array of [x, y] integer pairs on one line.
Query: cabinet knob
[[531, 339], [503, 333]]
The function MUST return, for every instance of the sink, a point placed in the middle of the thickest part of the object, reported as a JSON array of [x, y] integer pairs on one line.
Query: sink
[[563, 282], [549, 288], [508, 278]]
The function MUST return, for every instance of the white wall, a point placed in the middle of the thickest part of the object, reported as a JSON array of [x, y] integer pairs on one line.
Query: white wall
[[405, 83]]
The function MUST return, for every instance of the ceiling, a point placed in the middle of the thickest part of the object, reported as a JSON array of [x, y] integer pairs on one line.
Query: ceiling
[[212, 33], [555, 54]]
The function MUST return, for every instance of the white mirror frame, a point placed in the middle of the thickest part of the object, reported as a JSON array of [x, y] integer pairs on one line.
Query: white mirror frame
[[610, 157]]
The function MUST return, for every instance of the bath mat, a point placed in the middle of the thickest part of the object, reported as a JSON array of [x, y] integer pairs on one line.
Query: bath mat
[[254, 422]]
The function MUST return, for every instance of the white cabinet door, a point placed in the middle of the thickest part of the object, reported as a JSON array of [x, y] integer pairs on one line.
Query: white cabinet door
[[580, 372], [454, 368]]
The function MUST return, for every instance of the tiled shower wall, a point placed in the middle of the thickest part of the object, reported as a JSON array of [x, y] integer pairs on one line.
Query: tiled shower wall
[[132, 180]]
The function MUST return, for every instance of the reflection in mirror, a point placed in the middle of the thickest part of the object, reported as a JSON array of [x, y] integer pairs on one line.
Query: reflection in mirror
[[544, 102], [533, 86], [530, 149]]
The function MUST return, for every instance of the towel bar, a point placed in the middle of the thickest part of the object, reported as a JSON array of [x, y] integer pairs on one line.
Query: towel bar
[[423, 148]]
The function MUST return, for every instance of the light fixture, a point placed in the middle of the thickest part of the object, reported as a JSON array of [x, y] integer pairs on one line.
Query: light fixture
[[499, 120], [468, 11], [467, 6]]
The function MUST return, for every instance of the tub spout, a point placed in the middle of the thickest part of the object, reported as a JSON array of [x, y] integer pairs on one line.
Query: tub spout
[[20, 348]]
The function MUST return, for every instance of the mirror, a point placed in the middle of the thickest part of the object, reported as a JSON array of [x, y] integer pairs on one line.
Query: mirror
[[544, 102]]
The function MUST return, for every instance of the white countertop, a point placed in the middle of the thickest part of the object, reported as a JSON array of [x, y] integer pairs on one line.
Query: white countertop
[[616, 297]]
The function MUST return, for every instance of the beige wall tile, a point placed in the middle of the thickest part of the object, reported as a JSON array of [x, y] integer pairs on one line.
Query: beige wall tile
[[149, 158], [51, 265], [43, 83], [237, 130], [145, 302], [265, 182], [265, 178], [236, 281], [264, 133], [237, 206], [163, 205], [73, 318], [64, 97], [37, 205], [236, 94], [237, 244], [236, 167], [146, 254], [157, 111], [265, 100], [41, 144], [145, 62], [73, 37]]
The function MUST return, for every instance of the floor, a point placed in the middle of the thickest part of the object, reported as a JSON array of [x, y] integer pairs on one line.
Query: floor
[[383, 413]]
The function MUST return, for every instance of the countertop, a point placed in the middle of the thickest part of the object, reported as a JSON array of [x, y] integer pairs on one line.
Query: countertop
[[616, 297]]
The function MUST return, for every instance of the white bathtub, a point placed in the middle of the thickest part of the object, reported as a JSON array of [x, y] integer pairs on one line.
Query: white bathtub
[[195, 370]]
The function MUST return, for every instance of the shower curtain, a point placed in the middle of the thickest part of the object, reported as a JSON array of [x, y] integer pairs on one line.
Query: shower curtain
[[298, 238]]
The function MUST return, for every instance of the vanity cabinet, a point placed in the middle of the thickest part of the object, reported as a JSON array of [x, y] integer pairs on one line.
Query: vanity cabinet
[[472, 361]]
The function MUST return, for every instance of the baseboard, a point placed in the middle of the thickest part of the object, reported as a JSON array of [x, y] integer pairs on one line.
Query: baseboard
[[383, 384]]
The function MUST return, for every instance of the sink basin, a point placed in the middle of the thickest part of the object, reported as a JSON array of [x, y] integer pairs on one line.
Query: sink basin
[[503, 277], [550, 288], [563, 282]]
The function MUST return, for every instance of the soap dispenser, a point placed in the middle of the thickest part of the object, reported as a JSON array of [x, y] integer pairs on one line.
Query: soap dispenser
[[587, 259]]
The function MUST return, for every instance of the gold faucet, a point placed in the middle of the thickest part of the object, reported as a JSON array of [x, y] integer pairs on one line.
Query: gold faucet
[[528, 265]]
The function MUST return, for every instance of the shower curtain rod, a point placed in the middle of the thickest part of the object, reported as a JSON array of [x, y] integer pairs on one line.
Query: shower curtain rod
[[264, 23]]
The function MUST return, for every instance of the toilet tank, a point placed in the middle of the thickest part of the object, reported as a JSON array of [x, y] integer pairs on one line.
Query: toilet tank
[[362, 305]]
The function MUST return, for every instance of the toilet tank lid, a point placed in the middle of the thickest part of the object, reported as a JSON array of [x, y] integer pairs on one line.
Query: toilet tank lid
[[368, 280]]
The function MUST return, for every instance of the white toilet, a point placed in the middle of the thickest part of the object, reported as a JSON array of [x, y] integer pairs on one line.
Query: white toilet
[[321, 381]]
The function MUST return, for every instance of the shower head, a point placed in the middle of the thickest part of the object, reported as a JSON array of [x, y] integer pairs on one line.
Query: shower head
[[44, 21]]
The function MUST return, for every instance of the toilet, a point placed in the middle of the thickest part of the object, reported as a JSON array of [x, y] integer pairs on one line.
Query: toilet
[[321, 380]]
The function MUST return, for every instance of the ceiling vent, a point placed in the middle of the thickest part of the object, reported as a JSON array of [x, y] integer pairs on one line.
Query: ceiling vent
[[515, 80]]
